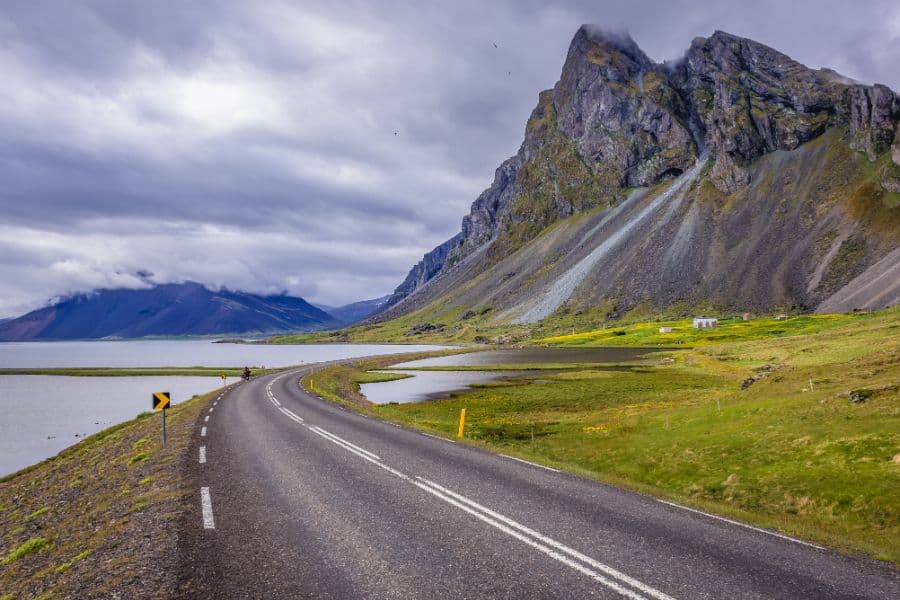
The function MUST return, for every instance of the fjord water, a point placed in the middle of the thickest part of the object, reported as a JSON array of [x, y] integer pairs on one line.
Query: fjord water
[[433, 385], [181, 353], [41, 414]]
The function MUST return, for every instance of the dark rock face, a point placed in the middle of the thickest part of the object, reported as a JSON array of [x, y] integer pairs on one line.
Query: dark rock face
[[617, 120], [873, 114], [621, 110], [752, 100], [480, 225], [426, 268]]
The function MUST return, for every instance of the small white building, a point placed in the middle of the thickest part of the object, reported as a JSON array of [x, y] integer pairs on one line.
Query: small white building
[[665, 330], [705, 322]]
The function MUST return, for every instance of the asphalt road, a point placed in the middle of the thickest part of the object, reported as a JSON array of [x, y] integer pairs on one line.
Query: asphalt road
[[299, 498]]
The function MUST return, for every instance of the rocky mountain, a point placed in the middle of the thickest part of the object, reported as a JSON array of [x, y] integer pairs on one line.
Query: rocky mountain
[[733, 178], [165, 310], [355, 311]]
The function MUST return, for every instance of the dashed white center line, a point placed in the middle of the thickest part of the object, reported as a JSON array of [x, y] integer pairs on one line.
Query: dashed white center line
[[206, 504], [203, 432], [202, 455], [206, 419]]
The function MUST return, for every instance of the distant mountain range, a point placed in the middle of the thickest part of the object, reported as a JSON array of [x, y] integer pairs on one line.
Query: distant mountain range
[[357, 311], [734, 178], [167, 310]]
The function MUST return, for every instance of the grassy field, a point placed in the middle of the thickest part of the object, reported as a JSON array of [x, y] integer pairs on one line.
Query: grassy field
[[138, 372], [100, 518], [730, 329], [791, 451]]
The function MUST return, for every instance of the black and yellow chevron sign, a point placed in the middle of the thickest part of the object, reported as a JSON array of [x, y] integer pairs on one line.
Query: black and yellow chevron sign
[[160, 400]]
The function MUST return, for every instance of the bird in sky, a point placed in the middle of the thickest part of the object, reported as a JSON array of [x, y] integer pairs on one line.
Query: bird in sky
[[495, 45]]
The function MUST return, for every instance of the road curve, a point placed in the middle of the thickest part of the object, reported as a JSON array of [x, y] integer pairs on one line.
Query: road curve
[[299, 498]]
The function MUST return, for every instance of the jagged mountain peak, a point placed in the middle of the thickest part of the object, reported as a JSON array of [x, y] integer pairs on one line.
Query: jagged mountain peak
[[600, 45], [710, 137]]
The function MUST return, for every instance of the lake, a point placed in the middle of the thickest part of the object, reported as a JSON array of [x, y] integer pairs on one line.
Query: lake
[[435, 385], [42, 414]]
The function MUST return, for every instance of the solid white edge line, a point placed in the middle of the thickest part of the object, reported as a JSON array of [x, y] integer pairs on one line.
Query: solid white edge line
[[206, 504], [537, 546], [559, 546], [437, 437], [203, 432], [533, 464], [202, 455], [343, 441], [746, 526]]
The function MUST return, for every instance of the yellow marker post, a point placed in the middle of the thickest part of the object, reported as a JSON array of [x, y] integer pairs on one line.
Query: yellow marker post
[[462, 422]]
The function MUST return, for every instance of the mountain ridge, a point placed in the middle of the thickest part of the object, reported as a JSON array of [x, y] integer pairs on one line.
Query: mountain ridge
[[172, 309], [616, 122], [349, 314]]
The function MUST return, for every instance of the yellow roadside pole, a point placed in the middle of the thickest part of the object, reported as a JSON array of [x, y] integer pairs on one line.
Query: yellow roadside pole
[[462, 422]]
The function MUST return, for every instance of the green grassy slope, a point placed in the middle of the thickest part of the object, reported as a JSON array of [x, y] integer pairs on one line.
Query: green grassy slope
[[99, 519]]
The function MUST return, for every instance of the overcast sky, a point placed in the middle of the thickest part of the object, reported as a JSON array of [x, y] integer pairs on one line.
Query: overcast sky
[[317, 148]]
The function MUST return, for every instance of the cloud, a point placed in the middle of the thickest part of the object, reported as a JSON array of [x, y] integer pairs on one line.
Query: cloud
[[317, 147]]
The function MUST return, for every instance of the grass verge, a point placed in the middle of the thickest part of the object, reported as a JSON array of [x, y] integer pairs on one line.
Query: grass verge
[[100, 518]]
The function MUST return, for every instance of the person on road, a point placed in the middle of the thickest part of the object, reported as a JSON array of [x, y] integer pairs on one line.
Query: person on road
[[246, 375]]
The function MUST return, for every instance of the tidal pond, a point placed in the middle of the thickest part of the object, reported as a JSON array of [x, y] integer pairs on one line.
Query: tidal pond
[[424, 385], [531, 356]]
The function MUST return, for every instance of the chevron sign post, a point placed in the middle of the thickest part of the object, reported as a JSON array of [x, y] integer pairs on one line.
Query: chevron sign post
[[161, 401]]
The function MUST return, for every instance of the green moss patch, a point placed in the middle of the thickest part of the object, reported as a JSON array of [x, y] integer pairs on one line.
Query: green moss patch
[[29, 547]]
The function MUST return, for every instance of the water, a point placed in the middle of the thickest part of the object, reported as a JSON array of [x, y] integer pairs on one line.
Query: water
[[547, 356], [434, 385], [181, 353], [428, 385], [41, 414]]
